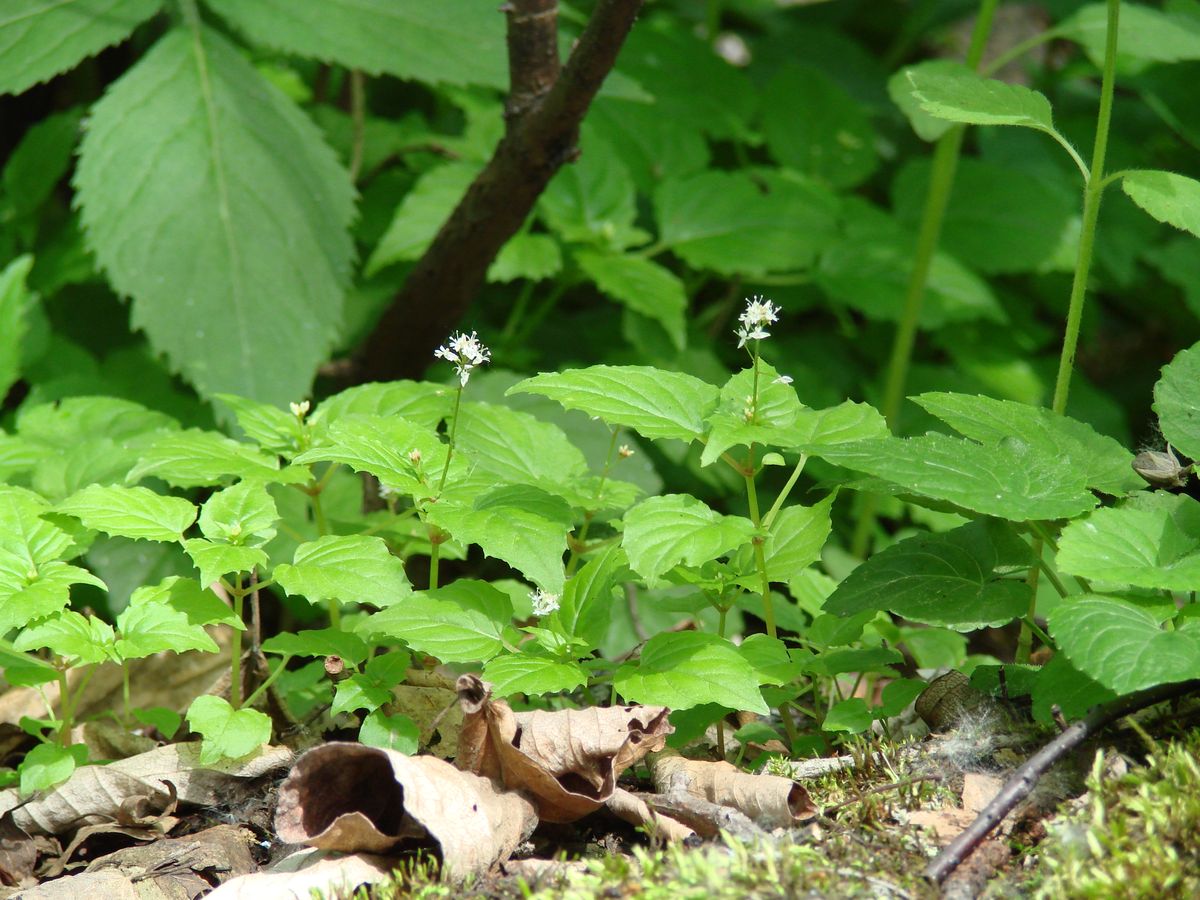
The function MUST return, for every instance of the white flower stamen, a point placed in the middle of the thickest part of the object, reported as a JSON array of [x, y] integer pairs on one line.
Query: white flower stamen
[[544, 602], [758, 313], [465, 352]]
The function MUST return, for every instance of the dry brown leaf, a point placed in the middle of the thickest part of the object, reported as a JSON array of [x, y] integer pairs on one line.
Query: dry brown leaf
[[769, 800], [568, 760], [349, 797], [19, 854], [947, 822], [302, 873], [707, 819], [94, 795], [109, 885], [636, 811]]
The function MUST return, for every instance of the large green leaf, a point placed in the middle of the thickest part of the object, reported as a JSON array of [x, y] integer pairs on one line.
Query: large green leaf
[[793, 543], [841, 424], [212, 201], [243, 513], [214, 559], [196, 458], [1177, 401], [1143, 33], [964, 96], [1170, 198], [1104, 462], [901, 90], [420, 402], [348, 568], [384, 447], [451, 42], [15, 299], [662, 532], [28, 593], [955, 578], [79, 638], [273, 428], [690, 668], [24, 532], [1122, 646], [516, 447], [654, 403], [526, 673], [463, 622], [1152, 541], [738, 224], [228, 733], [132, 512], [585, 610], [422, 213], [642, 286], [39, 39], [521, 524], [593, 201], [200, 606], [1010, 479], [735, 423], [148, 628]]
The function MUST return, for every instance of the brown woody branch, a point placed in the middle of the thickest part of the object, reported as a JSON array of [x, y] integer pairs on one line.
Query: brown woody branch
[[544, 110]]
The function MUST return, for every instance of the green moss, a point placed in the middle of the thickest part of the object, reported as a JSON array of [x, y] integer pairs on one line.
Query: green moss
[[1134, 836]]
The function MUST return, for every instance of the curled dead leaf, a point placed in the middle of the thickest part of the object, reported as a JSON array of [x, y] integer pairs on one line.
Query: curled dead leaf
[[634, 810]]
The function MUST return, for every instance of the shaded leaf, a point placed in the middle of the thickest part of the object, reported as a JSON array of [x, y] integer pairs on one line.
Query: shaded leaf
[[687, 669]]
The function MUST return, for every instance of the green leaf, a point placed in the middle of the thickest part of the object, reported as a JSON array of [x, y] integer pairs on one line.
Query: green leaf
[[40, 160], [347, 568], [1177, 401], [1061, 684], [1170, 198], [585, 609], [241, 514], [213, 202], [1104, 462], [727, 222], [39, 40], [770, 659], [462, 622], [47, 765], [358, 692], [953, 578], [731, 423], [319, 642], [382, 446], [148, 628], [530, 256], [687, 669], [1151, 541], [523, 525], [793, 543], [419, 402], [397, 733], [28, 593], [516, 447], [421, 214], [80, 639], [15, 299], [817, 128], [593, 201], [662, 532], [653, 402], [851, 716], [1011, 479], [456, 42], [963, 96], [273, 428], [897, 695], [67, 422], [1143, 33], [642, 286], [25, 533], [867, 659], [132, 512], [841, 424], [1122, 646], [215, 560], [228, 733], [201, 606], [166, 720], [197, 458], [527, 673], [901, 90]]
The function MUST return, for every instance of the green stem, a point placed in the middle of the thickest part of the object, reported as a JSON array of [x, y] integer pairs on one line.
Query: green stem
[[235, 659], [783, 494], [1091, 213], [319, 513], [64, 705], [573, 561], [125, 692], [760, 559], [358, 108], [270, 679], [434, 553], [517, 312], [1052, 576], [1025, 638], [450, 444]]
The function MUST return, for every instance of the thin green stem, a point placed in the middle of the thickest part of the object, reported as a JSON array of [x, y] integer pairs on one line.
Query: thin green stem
[[1036, 629], [760, 559], [1072, 152], [1091, 213], [450, 444], [358, 110], [1052, 576], [235, 658], [517, 312], [783, 494], [573, 561], [64, 705], [268, 681], [319, 514], [1025, 638], [125, 693], [434, 554]]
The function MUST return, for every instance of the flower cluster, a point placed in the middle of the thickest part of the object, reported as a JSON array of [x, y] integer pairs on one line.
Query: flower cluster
[[758, 313], [465, 352], [544, 603], [300, 410]]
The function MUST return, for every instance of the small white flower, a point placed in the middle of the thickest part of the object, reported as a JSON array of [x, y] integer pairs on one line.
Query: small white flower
[[544, 603], [758, 313], [414, 456], [624, 452], [783, 379], [299, 410], [466, 352]]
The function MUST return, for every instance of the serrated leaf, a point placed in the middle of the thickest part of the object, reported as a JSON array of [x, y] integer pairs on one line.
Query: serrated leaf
[[964, 96], [25, 533], [214, 560], [1177, 401], [653, 402], [15, 299], [640, 285], [199, 605], [198, 458], [319, 642], [47, 765], [523, 525], [241, 514], [516, 447], [527, 673], [228, 733], [132, 512], [420, 402], [213, 202], [1010, 479], [593, 201], [1152, 541], [1170, 198], [347, 568], [456, 42], [397, 733], [726, 222], [734, 423], [770, 659], [274, 429], [793, 543], [80, 639], [953, 578], [865, 659], [841, 424], [662, 532], [585, 609], [28, 593], [1105, 463], [688, 669], [900, 89], [149, 628], [851, 716], [531, 256], [38, 40], [66, 422], [421, 214], [1143, 33], [462, 622], [1122, 646], [382, 446], [358, 692]]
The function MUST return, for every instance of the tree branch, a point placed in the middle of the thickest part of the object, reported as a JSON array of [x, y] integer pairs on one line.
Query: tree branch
[[544, 110]]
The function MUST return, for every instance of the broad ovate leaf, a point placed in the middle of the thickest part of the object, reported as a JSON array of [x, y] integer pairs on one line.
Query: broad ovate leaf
[[463, 622], [1177, 401], [132, 512], [961, 95], [151, 627], [1168, 197], [196, 458], [527, 673], [686, 669], [214, 203], [662, 532], [346, 568], [243, 513], [1143, 33], [228, 733]]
